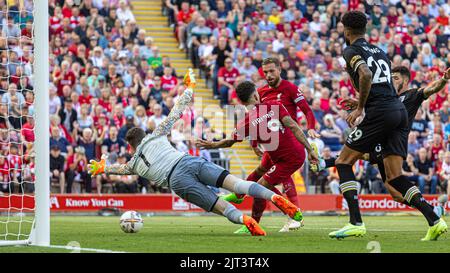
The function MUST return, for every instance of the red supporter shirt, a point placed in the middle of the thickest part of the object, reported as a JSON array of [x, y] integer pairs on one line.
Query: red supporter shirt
[[119, 121], [106, 105], [435, 151], [4, 170], [228, 76], [168, 83], [15, 162], [55, 23], [349, 86], [291, 97], [443, 20], [263, 125], [66, 11], [437, 103], [185, 17], [297, 25], [74, 21], [353, 4], [81, 165], [28, 132], [85, 100], [67, 79]]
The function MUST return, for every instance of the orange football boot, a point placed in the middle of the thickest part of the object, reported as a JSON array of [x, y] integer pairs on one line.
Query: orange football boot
[[287, 207], [253, 226]]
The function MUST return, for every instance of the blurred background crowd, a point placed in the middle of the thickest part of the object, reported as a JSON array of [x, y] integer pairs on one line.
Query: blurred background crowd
[[107, 75]]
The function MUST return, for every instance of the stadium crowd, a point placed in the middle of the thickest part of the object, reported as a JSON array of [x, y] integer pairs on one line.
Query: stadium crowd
[[107, 76]]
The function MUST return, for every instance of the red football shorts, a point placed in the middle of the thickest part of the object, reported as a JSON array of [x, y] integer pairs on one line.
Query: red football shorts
[[280, 171]]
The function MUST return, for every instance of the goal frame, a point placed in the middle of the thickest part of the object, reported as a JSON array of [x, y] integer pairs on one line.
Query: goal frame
[[40, 231], [40, 234]]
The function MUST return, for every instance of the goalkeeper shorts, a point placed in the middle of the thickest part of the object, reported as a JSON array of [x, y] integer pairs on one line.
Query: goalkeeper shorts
[[191, 178]]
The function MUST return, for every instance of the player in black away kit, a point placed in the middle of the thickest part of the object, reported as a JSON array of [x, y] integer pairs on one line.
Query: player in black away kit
[[412, 99], [384, 120]]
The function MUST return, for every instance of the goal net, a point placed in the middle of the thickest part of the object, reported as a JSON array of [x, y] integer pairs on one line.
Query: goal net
[[24, 123]]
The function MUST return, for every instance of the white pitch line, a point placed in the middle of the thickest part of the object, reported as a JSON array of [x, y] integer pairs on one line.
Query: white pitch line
[[84, 249], [369, 229]]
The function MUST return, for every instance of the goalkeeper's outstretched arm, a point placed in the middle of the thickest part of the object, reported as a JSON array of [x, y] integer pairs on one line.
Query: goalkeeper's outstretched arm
[[166, 125], [119, 169], [99, 167]]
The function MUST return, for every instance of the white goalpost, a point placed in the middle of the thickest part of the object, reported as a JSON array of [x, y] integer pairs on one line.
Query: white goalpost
[[41, 78], [24, 215]]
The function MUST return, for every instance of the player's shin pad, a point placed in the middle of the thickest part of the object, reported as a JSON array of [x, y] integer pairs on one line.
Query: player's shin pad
[[405, 187], [348, 186], [413, 196], [410, 193]]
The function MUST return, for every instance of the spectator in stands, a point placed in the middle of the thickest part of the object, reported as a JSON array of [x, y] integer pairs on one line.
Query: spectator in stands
[[169, 82], [197, 32], [124, 183], [129, 123], [220, 53], [435, 147], [56, 139], [158, 116], [183, 19], [76, 170], [424, 172], [112, 143], [226, 77], [68, 115], [54, 101], [87, 141], [57, 162], [444, 173], [124, 13], [331, 134], [413, 143], [248, 69], [420, 126]]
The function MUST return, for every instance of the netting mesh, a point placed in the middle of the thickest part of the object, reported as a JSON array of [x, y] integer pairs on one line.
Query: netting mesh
[[16, 120]]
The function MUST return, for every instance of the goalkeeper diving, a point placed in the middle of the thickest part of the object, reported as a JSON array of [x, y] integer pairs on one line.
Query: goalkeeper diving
[[155, 159]]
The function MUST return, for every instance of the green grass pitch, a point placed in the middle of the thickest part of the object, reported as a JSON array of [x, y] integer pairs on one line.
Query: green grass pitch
[[215, 234]]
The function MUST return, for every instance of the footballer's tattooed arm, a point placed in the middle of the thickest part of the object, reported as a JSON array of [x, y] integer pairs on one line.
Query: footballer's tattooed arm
[[166, 125], [119, 169], [365, 82], [300, 136], [437, 86], [206, 144]]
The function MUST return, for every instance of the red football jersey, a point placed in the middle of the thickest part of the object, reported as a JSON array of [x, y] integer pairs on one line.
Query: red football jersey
[[228, 76], [290, 96], [168, 83], [185, 17], [67, 79], [263, 124], [4, 170]]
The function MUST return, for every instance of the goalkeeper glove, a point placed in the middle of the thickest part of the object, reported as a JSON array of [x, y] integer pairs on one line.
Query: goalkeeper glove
[[97, 167], [189, 79]]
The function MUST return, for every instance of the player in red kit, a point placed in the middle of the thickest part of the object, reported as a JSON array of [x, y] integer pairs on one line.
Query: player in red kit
[[271, 125], [290, 96]]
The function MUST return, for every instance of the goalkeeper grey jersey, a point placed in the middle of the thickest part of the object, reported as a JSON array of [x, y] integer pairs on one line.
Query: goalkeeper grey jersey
[[154, 159]]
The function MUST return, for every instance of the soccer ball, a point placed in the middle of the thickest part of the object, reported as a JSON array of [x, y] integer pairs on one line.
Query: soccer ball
[[131, 222]]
